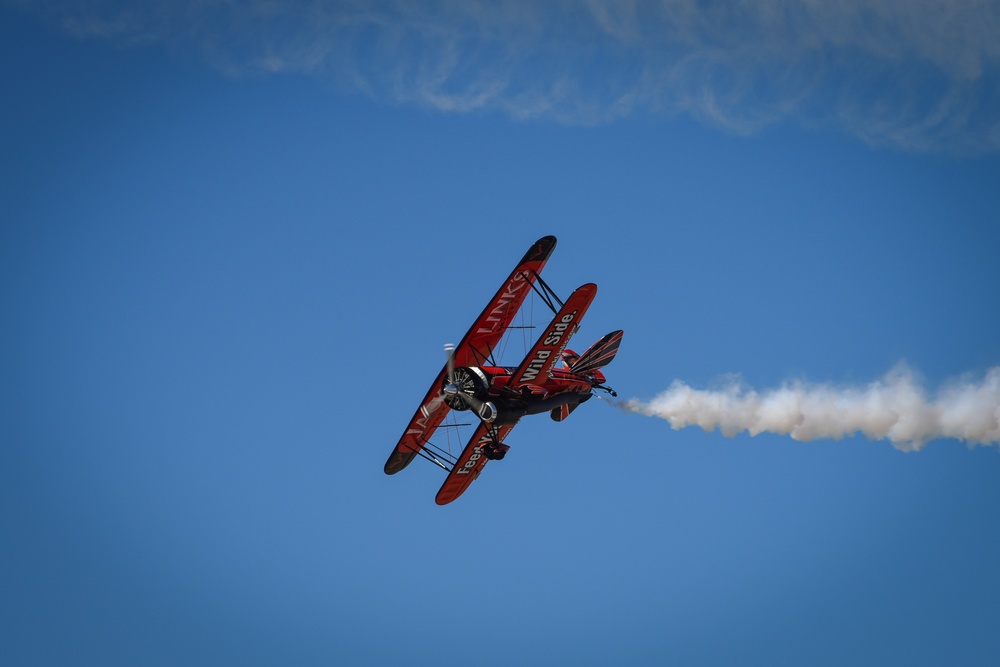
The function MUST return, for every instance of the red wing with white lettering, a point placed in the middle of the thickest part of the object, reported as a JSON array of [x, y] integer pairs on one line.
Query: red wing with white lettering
[[429, 416], [538, 364], [472, 461], [475, 347], [491, 324]]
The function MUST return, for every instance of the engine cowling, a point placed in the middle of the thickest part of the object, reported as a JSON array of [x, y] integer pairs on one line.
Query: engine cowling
[[468, 380]]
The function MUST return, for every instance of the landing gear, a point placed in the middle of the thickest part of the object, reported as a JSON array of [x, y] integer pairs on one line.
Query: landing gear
[[495, 452]]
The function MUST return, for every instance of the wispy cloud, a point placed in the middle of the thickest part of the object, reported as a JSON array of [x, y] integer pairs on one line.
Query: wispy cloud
[[921, 75]]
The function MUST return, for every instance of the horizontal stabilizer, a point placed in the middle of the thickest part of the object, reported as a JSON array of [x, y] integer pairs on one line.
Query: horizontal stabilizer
[[563, 411], [599, 354]]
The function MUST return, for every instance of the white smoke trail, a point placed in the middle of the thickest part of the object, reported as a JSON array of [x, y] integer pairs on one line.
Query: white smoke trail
[[895, 407]]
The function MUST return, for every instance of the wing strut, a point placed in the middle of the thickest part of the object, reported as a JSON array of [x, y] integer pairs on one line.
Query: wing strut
[[435, 453], [428, 452], [547, 294]]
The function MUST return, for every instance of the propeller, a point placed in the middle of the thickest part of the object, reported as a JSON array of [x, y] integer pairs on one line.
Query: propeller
[[452, 390], [449, 352]]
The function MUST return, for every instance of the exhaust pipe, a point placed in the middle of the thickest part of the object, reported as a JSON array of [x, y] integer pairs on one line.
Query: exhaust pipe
[[488, 412]]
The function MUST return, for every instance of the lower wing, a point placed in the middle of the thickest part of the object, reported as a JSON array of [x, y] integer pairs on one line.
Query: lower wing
[[472, 461]]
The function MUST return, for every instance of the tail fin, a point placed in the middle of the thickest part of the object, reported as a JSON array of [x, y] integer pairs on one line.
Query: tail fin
[[599, 354]]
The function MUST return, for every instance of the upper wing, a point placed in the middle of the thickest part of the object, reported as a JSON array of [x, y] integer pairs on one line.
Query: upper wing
[[546, 351], [491, 324], [470, 463], [475, 347]]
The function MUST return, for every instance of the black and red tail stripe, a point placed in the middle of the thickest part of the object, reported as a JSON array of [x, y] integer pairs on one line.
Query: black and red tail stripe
[[598, 355]]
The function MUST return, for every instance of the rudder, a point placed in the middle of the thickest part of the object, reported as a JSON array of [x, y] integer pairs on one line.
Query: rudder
[[599, 354]]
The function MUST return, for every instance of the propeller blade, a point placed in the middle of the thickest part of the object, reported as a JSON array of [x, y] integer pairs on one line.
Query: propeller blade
[[435, 403], [473, 402], [449, 351], [485, 410]]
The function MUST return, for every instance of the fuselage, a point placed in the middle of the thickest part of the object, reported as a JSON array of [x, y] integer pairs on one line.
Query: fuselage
[[560, 388]]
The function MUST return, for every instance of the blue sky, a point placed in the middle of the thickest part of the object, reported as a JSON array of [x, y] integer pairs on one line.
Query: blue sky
[[234, 240]]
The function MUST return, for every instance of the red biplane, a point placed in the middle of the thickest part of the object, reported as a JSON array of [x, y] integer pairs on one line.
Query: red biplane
[[499, 396]]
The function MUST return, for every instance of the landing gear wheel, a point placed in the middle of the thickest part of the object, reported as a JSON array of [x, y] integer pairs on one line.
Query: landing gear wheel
[[493, 452]]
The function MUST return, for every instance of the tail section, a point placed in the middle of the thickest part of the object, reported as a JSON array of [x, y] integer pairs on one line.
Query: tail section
[[563, 411], [569, 357], [598, 355], [588, 364]]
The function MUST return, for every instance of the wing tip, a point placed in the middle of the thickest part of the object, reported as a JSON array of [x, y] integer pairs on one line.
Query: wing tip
[[397, 461], [540, 250]]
